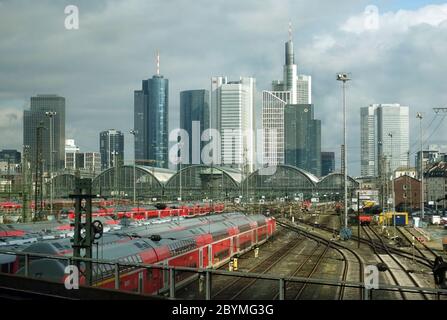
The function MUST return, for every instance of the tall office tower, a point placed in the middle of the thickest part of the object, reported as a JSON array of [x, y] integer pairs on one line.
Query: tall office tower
[[327, 163], [273, 104], [111, 148], [393, 134], [384, 134], [293, 89], [304, 89], [70, 154], [151, 121], [290, 80], [368, 141], [302, 138], [232, 114], [195, 119], [42, 106]]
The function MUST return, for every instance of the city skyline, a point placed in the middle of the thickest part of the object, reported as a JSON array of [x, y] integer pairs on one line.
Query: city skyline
[[320, 51]]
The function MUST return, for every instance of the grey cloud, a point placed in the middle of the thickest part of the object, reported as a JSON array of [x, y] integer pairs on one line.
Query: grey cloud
[[97, 67]]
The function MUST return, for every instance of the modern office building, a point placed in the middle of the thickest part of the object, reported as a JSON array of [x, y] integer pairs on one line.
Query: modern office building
[[384, 138], [393, 135], [302, 138], [11, 155], [294, 89], [232, 114], [195, 119], [368, 141], [48, 112], [111, 148], [327, 163], [151, 121], [273, 104], [304, 89], [83, 161]]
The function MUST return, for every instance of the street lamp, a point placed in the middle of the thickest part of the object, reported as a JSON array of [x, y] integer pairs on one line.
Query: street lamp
[[344, 77], [392, 184], [134, 132], [51, 115], [420, 117]]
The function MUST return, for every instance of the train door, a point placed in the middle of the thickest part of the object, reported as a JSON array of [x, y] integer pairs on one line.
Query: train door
[[201, 258], [210, 255]]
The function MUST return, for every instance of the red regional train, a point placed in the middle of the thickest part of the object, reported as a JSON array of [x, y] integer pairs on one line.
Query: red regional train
[[205, 246], [185, 210]]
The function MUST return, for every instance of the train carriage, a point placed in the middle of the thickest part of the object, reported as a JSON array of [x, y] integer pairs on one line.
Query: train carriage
[[207, 243]]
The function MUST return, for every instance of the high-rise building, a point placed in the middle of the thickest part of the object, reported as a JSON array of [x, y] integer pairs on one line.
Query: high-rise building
[[151, 121], [393, 134], [327, 163], [11, 155], [368, 141], [232, 114], [304, 89], [273, 104], [38, 115], [302, 138], [195, 119], [111, 148], [384, 138], [83, 161], [293, 90]]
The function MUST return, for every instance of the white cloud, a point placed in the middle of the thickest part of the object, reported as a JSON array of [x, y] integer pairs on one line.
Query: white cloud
[[399, 21]]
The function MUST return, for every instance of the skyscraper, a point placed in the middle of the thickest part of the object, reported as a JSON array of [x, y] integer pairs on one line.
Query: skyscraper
[[37, 116], [302, 138], [384, 136], [304, 89], [293, 90], [151, 121], [393, 134], [232, 114], [111, 148], [273, 104], [368, 141], [327, 163], [195, 119]]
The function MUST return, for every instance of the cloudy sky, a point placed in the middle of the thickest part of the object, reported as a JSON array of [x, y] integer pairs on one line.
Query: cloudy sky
[[399, 59]]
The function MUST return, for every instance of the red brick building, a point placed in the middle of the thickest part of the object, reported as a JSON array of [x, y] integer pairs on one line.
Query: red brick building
[[407, 192]]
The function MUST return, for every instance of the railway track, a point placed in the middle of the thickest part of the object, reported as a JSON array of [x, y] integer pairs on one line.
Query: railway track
[[235, 288], [388, 258], [295, 289], [421, 259], [403, 232], [341, 249]]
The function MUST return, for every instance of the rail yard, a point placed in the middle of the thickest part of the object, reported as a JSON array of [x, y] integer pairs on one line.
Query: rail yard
[[232, 252]]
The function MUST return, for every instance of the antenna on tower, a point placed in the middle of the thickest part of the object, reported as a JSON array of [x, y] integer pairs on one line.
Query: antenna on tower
[[290, 31], [158, 62]]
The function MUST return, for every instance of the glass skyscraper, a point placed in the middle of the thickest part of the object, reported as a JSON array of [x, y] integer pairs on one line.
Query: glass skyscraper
[[195, 119], [111, 148], [302, 138], [232, 114], [293, 89], [35, 117], [151, 122], [384, 137], [327, 163]]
